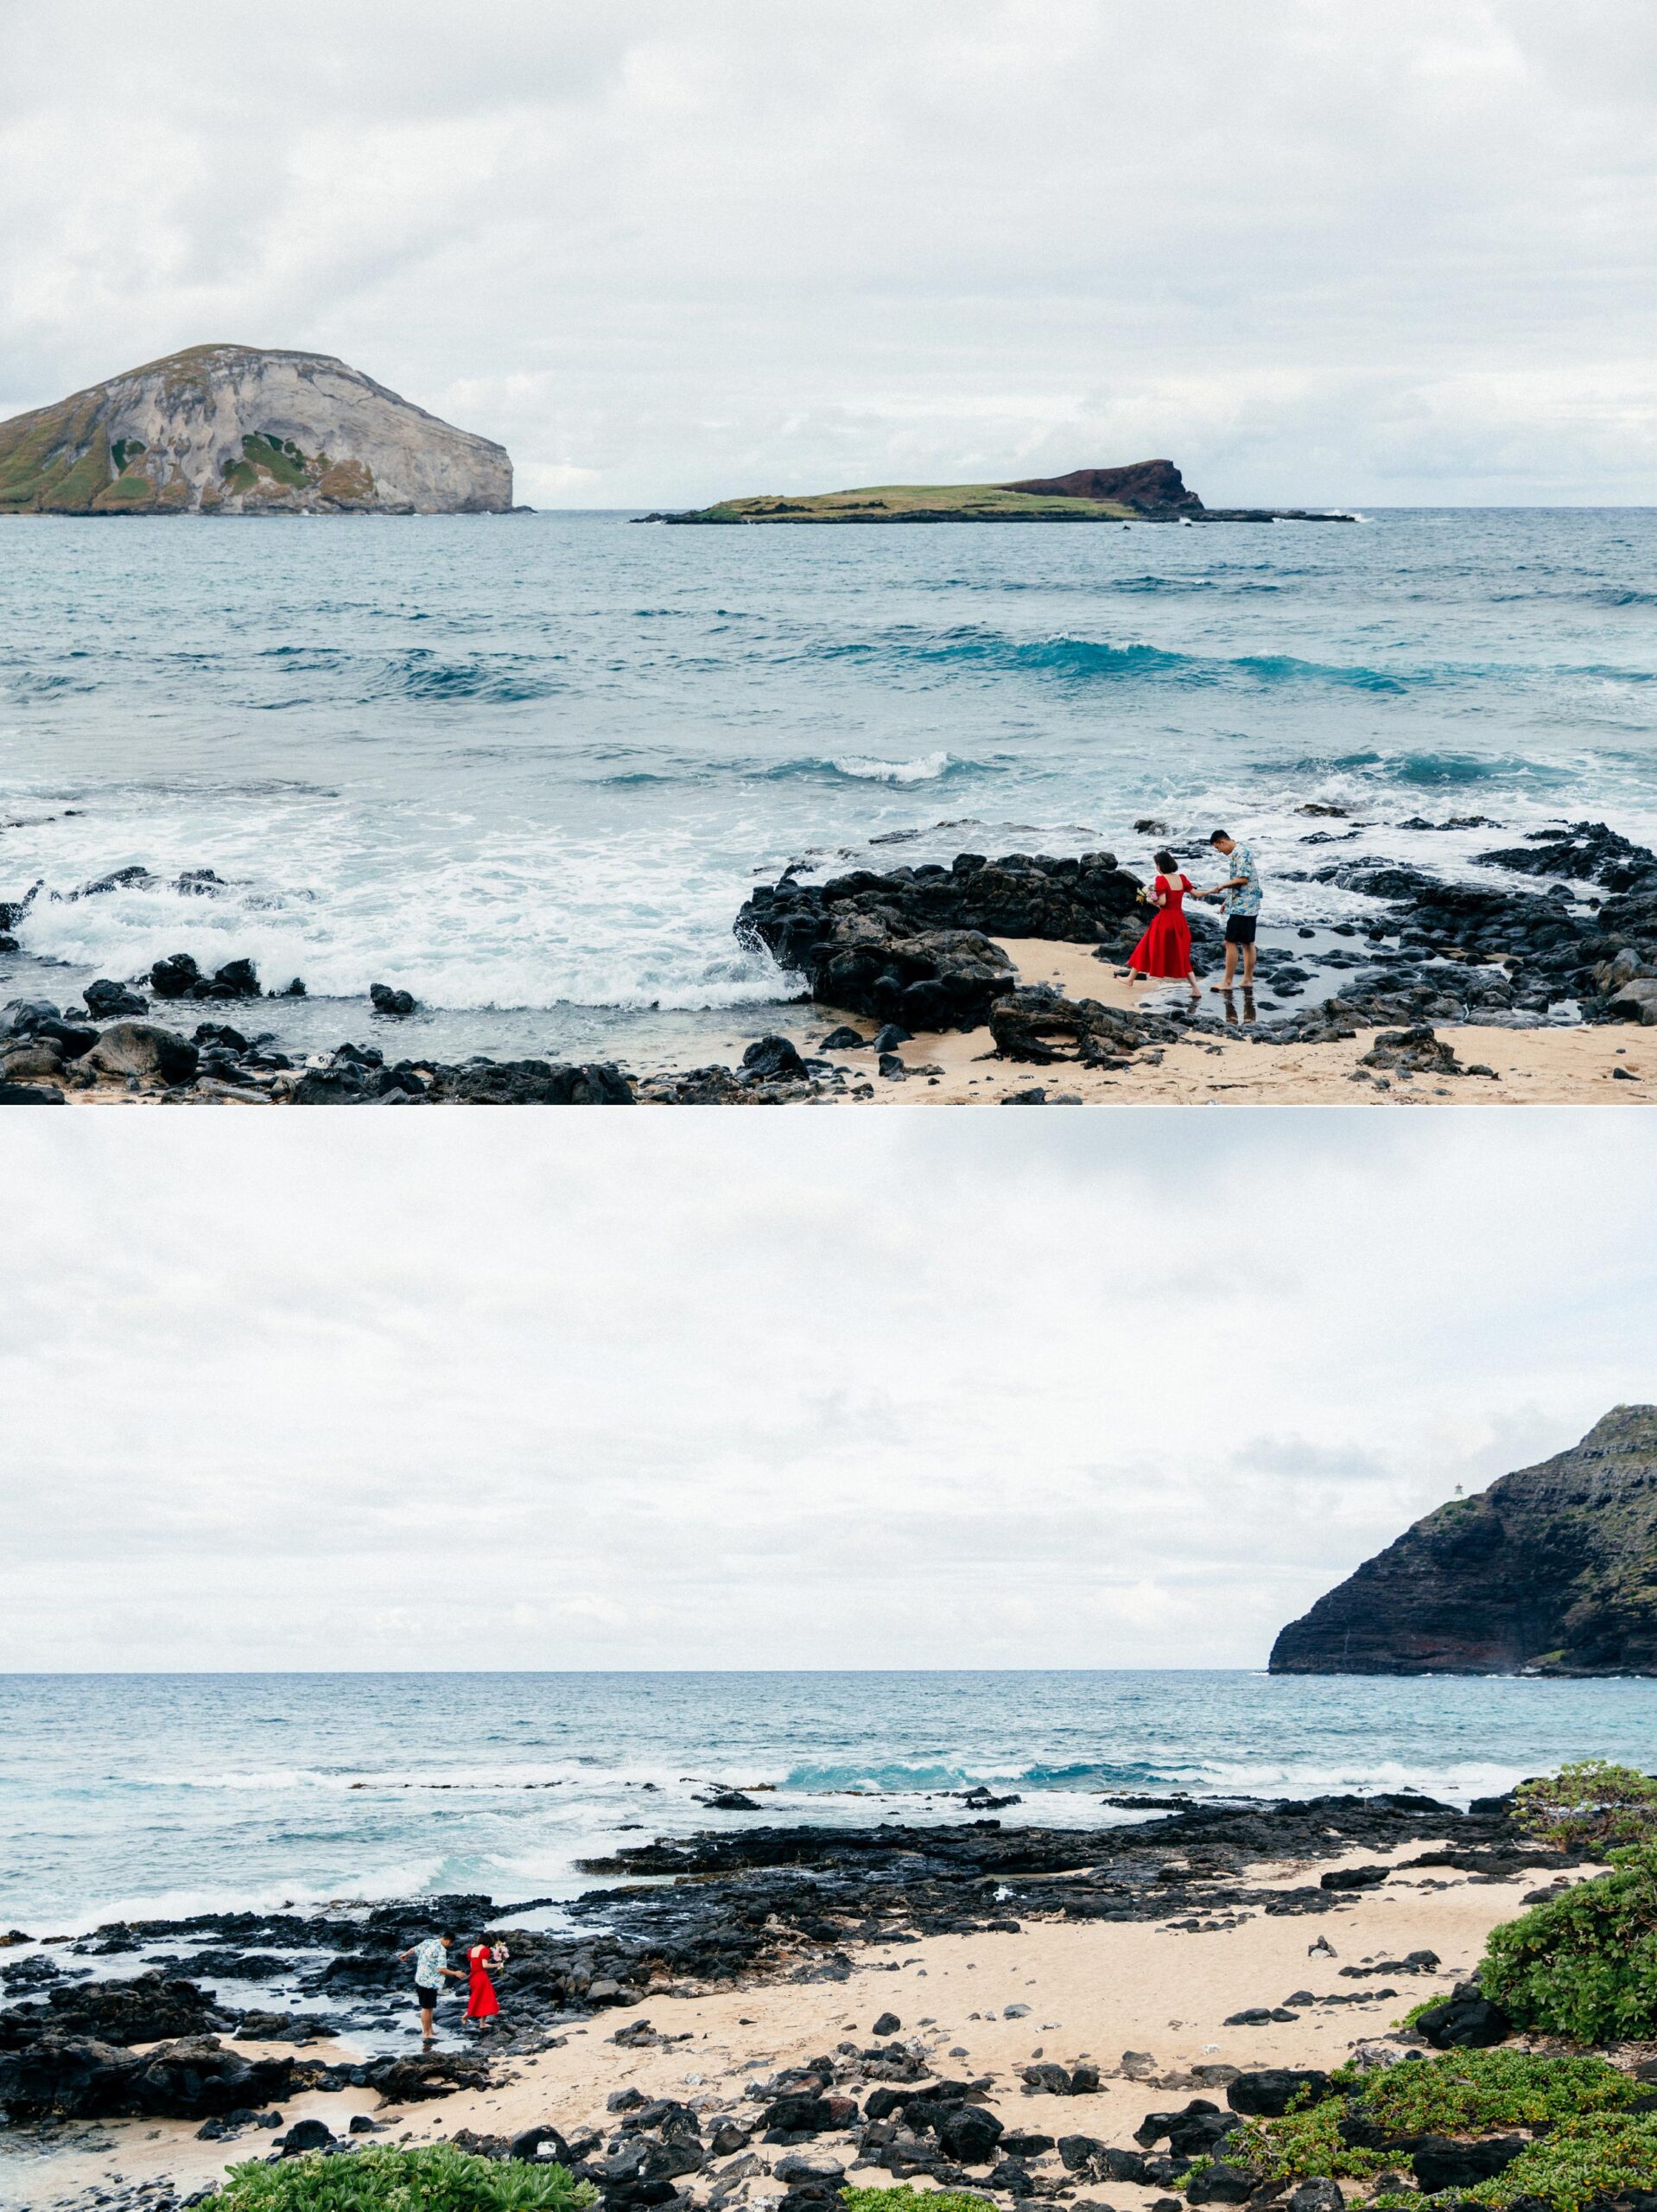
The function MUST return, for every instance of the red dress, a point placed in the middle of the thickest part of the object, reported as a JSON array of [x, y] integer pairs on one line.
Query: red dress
[[1166, 947], [481, 2001]]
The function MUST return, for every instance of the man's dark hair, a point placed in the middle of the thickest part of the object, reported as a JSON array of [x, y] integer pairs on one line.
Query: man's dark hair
[[1220, 836], [1165, 861]]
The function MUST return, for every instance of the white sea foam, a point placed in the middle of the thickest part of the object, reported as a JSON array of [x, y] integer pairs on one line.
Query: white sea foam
[[925, 770]]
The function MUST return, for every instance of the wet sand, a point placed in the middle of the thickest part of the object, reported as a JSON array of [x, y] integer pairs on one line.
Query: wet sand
[[1094, 1989]]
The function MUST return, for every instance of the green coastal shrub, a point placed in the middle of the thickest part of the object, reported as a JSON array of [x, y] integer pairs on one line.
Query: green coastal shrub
[[1588, 1802], [435, 2178], [1584, 2103], [913, 2200], [1584, 1964]]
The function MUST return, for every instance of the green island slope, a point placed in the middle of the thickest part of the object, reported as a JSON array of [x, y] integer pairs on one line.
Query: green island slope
[[1141, 491]]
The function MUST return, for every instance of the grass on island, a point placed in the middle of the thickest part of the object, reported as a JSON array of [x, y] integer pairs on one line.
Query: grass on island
[[909, 502], [1596, 2140], [436, 2178]]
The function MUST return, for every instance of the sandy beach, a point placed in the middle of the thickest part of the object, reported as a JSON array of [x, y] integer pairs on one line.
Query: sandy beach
[[1613, 1064], [1532, 1067], [1093, 1990]]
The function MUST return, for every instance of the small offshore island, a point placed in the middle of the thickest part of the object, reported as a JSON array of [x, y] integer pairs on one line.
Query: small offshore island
[[1142, 490], [245, 430]]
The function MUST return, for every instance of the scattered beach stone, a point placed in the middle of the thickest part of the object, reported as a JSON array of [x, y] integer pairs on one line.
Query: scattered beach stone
[[1354, 1878], [1441, 2164], [887, 2024], [1222, 2183], [144, 1049], [388, 1001], [307, 2135], [774, 1059], [179, 977], [1319, 2195], [533, 1083], [1266, 2092], [107, 1000], [1466, 2020]]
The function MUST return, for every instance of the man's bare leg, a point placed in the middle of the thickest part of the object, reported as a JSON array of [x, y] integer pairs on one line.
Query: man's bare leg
[[1249, 967], [1229, 982]]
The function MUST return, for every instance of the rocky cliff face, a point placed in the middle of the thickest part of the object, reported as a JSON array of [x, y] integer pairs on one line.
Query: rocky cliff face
[[231, 430], [1154, 486], [1553, 1569]]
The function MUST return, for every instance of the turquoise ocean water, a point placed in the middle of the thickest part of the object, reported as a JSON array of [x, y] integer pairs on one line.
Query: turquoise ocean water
[[159, 1795], [528, 766]]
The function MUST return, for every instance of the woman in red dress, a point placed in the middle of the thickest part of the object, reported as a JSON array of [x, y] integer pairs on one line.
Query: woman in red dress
[[1164, 950], [482, 2004]]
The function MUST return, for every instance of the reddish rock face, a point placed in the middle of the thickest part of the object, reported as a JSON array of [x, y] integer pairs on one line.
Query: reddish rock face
[[1551, 1569], [1154, 486]]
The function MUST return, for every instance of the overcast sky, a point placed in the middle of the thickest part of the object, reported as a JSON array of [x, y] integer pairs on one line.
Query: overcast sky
[[1314, 250], [651, 1388]]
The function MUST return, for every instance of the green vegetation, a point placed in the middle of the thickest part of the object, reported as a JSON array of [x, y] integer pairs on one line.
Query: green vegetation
[[913, 2200], [278, 457], [1594, 2138], [383, 2179], [84, 479], [1603, 2155], [126, 449], [54, 458], [1584, 1964], [918, 502], [126, 492], [1590, 1802]]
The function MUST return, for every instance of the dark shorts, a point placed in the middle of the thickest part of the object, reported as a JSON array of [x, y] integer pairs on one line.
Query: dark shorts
[[1239, 928], [426, 1999]]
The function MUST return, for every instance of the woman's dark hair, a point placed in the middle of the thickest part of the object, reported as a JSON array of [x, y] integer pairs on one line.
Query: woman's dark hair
[[1166, 862]]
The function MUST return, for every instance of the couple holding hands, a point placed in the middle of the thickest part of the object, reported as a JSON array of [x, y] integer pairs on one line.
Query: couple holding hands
[[1164, 950]]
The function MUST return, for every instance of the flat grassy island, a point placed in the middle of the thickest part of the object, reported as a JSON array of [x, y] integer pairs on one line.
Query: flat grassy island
[[1142, 490]]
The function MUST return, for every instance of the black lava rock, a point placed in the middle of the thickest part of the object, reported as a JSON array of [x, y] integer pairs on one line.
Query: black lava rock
[[307, 2135], [1266, 2092], [107, 1001], [774, 1059], [1465, 2021], [1441, 2164], [970, 2136]]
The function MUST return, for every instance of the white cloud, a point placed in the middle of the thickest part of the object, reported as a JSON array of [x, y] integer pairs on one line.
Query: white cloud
[[1317, 250], [573, 1389]]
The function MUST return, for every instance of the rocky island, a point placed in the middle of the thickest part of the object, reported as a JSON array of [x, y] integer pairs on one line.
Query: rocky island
[[1551, 1570], [242, 430], [1142, 490]]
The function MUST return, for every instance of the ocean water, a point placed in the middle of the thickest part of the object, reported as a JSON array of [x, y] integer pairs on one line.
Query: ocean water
[[160, 1796], [527, 768]]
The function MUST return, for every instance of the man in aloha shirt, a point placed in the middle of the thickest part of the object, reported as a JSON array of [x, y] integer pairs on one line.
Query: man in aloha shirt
[[1241, 891], [431, 1972]]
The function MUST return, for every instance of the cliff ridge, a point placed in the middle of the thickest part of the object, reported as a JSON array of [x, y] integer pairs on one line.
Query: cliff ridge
[[1552, 1570]]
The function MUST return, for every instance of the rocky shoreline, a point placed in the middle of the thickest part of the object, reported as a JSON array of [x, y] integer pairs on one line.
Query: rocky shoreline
[[920, 952], [738, 1909]]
